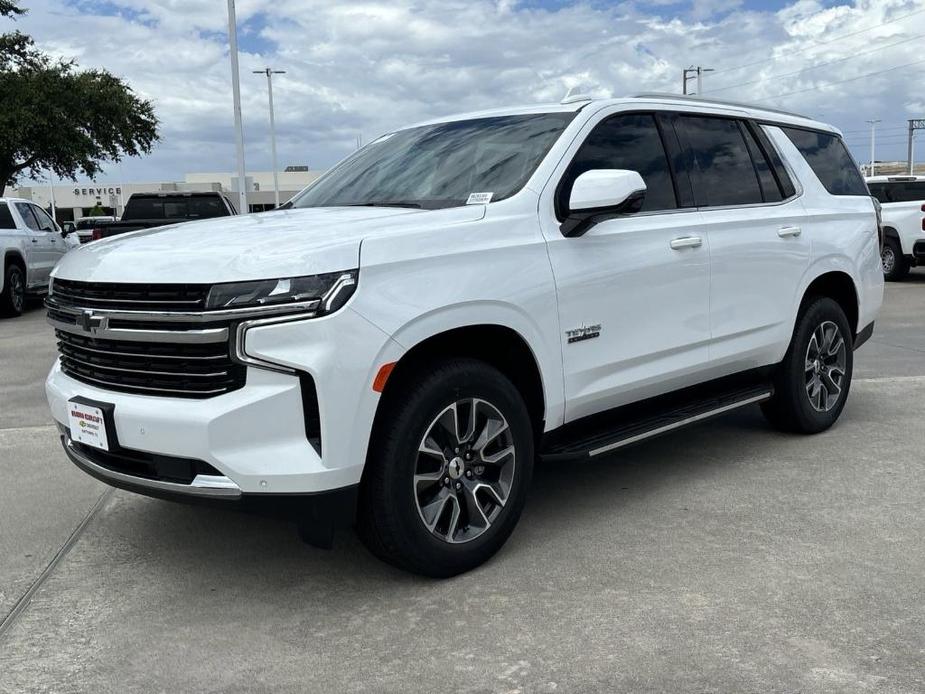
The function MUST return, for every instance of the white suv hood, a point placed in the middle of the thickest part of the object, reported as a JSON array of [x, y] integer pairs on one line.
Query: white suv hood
[[286, 243]]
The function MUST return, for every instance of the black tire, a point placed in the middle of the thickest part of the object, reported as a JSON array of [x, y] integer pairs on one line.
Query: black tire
[[13, 297], [792, 407], [389, 520], [895, 265]]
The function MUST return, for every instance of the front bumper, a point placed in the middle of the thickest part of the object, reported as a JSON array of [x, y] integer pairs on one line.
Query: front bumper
[[255, 437]]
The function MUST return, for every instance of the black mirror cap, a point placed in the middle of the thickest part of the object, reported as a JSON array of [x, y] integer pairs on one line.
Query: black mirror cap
[[578, 223]]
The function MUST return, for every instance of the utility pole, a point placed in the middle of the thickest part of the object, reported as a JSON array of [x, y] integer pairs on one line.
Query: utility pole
[[692, 72], [51, 193], [269, 73], [873, 126], [914, 124], [236, 96]]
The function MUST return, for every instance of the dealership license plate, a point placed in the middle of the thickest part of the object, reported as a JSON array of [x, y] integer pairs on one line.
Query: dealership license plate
[[87, 425]]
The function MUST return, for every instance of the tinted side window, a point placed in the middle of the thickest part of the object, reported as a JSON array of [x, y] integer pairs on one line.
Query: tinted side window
[[6, 217], [43, 218], [770, 191], [630, 141], [722, 172], [904, 191], [25, 211], [829, 160]]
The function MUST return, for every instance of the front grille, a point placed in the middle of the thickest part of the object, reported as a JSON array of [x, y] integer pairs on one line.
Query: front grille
[[131, 297], [150, 368], [150, 339]]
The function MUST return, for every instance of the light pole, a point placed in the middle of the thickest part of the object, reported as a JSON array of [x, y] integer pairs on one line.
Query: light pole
[[698, 72], [873, 128], [269, 73], [236, 95]]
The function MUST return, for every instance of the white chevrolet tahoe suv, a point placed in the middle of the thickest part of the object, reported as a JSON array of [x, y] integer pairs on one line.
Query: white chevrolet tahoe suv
[[30, 245], [902, 199], [462, 297]]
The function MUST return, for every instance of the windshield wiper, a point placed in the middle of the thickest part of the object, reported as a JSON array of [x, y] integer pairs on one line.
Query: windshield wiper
[[387, 203]]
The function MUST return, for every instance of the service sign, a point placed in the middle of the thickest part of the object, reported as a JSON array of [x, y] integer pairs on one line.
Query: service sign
[[87, 425]]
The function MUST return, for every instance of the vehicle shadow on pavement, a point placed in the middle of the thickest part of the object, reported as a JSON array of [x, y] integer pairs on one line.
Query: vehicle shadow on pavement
[[565, 498]]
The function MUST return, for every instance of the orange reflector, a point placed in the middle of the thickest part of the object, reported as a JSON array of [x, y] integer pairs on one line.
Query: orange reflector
[[384, 372]]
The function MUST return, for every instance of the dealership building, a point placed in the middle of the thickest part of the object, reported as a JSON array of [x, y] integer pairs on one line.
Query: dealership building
[[73, 201]]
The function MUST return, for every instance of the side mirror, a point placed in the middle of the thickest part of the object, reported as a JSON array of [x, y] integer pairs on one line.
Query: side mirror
[[601, 194], [67, 228]]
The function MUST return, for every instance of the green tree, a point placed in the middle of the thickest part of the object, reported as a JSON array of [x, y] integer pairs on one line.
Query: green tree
[[58, 118]]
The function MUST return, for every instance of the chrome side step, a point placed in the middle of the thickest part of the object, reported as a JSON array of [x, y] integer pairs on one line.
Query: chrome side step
[[682, 423], [631, 424]]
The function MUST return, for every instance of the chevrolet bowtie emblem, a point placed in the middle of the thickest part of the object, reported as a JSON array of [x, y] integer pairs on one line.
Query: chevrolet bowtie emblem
[[90, 322]]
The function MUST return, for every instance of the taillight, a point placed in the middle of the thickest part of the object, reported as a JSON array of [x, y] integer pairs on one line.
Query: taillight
[[96, 234], [879, 212]]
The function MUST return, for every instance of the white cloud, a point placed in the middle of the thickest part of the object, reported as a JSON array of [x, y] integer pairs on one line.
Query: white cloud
[[364, 67]]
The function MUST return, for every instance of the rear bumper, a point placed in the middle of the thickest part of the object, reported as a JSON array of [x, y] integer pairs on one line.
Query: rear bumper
[[918, 251]]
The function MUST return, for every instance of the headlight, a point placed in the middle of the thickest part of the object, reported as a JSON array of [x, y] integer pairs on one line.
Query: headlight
[[331, 289]]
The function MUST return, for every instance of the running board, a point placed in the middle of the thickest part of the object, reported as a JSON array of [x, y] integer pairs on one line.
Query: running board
[[637, 422]]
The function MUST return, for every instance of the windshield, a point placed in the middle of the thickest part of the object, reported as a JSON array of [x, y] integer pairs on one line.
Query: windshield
[[441, 165]]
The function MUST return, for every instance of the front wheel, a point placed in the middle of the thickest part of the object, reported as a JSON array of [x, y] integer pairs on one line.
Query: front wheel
[[811, 383], [448, 469], [894, 263]]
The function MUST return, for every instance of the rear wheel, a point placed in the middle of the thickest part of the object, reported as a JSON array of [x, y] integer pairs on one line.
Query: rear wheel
[[448, 469], [13, 298], [894, 263], [811, 383]]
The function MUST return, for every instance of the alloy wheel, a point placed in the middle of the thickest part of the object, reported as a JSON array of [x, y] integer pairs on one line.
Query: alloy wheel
[[17, 291], [887, 260], [464, 470], [826, 359]]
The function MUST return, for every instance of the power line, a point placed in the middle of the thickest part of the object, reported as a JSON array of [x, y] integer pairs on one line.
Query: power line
[[827, 41], [813, 67], [850, 79]]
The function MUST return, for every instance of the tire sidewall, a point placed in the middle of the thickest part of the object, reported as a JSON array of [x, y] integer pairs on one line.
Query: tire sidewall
[[8, 300], [467, 379], [816, 313], [900, 268]]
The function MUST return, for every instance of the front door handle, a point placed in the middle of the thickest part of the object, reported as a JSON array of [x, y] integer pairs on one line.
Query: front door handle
[[686, 242], [34, 240], [784, 232]]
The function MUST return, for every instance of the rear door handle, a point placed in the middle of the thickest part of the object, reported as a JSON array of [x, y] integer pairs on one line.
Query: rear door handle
[[686, 242], [34, 240], [783, 232]]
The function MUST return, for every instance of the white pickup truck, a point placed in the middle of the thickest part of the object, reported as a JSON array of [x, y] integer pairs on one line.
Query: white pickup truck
[[902, 199], [31, 244]]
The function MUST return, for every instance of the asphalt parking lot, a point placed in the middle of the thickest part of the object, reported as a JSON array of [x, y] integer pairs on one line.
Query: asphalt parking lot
[[726, 558]]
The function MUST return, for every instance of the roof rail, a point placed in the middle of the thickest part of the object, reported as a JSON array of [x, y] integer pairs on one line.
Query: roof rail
[[707, 100]]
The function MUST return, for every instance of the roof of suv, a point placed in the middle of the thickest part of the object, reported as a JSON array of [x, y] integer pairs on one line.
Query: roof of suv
[[578, 102]]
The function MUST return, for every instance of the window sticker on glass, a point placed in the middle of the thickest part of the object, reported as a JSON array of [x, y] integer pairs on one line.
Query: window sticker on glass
[[479, 198]]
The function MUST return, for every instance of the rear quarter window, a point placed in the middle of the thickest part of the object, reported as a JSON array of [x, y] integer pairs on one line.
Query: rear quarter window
[[6, 217], [829, 159]]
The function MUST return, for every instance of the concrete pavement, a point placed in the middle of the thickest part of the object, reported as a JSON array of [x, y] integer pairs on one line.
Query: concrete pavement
[[725, 558]]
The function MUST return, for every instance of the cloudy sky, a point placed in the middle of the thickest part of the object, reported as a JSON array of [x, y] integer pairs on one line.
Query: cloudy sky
[[363, 68]]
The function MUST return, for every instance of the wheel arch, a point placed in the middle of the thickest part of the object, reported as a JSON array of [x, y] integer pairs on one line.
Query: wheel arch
[[498, 345], [13, 257], [839, 286]]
